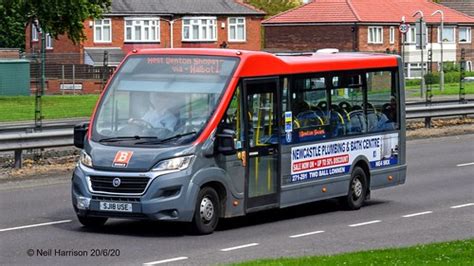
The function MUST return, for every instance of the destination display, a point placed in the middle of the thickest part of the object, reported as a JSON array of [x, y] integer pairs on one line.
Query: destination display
[[336, 157], [188, 65]]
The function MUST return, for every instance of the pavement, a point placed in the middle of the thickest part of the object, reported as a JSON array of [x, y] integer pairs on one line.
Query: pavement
[[38, 225]]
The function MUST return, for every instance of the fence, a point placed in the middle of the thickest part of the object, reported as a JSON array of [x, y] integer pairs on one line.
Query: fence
[[67, 73]]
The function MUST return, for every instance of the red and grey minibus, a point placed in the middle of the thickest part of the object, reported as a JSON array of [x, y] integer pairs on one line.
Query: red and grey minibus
[[195, 135]]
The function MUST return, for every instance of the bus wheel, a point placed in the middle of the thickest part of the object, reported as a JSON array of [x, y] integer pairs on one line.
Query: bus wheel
[[357, 190], [206, 214], [92, 221]]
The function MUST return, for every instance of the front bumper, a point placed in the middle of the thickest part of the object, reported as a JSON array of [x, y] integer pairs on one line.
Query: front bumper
[[167, 197]]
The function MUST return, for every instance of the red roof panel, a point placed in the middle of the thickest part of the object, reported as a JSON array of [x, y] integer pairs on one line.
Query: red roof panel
[[367, 11]]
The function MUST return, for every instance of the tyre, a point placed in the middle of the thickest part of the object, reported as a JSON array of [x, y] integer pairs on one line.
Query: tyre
[[92, 221], [358, 188], [206, 213]]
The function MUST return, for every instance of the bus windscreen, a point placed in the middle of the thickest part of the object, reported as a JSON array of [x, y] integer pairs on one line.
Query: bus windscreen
[[161, 96]]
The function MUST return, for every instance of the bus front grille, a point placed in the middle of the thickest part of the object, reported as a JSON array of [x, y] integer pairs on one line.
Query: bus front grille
[[125, 185]]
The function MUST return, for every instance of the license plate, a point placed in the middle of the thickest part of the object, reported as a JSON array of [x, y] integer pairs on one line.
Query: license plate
[[115, 206]]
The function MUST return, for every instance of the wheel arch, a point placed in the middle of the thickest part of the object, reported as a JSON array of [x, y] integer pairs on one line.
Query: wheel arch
[[221, 192], [363, 163]]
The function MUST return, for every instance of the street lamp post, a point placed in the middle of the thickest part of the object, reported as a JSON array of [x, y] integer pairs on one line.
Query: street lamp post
[[39, 91], [441, 74], [422, 85], [403, 39]]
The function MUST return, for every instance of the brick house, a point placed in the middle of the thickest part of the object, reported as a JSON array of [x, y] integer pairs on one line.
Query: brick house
[[138, 24], [372, 26]]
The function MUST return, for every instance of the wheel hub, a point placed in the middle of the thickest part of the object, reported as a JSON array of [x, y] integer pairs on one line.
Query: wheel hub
[[357, 187], [206, 209]]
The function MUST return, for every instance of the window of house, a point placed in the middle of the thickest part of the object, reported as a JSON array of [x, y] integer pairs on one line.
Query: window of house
[[448, 35], [236, 29], [200, 29], [392, 35], [142, 30], [464, 35], [34, 33], [102, 30], [49, 41], [411, 34], [375, 35]]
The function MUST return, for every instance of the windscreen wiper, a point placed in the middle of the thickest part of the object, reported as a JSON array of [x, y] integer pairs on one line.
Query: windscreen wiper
[[168, 139], [115, 139]]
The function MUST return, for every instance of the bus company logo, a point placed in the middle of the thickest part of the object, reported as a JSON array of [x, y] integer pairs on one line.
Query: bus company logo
[[122, 158]]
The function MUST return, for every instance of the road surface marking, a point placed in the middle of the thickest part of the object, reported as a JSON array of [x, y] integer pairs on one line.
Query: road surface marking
[[416, 214], [34, 225], [307, 234], [238, 247], [365, 223], [461, 206], [465, 164], [164, 261]]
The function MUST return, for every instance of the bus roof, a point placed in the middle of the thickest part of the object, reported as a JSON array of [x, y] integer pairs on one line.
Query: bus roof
[[256, 63]]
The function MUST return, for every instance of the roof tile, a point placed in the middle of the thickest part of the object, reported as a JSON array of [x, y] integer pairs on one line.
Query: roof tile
[[181, 7], [367, 11]]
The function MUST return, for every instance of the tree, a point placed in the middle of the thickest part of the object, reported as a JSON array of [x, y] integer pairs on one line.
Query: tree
[[273, 7], [55, 17], [12, 28]]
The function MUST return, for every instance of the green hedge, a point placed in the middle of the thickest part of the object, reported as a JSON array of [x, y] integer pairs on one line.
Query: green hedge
[[413, 82], [433, 78]]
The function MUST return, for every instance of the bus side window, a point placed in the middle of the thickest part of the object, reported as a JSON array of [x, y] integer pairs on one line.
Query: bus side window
[[381, 101], [232, 118], [347, 105], [308, 99]]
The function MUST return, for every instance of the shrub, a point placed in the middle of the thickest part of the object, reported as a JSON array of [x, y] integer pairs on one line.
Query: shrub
[[432, 78], [450, 67], [469, 74], [413, 82], [452, 77]]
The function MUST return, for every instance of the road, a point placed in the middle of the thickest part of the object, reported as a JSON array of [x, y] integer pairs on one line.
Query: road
[[436, 204]]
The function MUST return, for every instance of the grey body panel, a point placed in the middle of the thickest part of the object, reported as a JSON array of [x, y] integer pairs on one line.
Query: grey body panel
[[153, 203]]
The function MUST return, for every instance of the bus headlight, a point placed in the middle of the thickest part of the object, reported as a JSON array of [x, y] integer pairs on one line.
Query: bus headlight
[[85, 159], [83, 203], [174, 164]]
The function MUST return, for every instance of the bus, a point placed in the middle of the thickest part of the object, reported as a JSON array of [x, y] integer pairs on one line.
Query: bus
[[197, 135]]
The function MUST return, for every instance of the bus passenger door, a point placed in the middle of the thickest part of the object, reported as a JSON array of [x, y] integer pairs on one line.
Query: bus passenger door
[[262, 177]]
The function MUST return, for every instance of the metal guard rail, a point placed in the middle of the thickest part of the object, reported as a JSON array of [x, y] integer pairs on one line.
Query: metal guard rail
[[439, 111], [22, 141], [64, 137]]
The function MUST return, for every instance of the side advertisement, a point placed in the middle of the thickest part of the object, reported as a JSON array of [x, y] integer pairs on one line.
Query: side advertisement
[[336, 157]]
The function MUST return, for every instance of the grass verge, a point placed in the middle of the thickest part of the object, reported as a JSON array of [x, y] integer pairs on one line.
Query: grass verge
[[445, 253], [17, 108]]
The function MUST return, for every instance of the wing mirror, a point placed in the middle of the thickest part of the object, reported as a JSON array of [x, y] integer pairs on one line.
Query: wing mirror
[[80, 132], [225, 142]]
